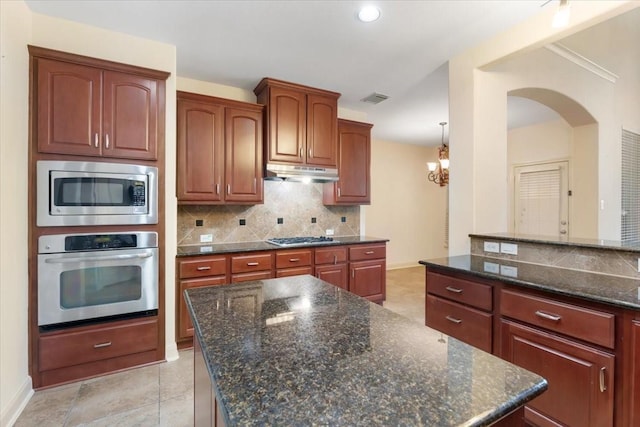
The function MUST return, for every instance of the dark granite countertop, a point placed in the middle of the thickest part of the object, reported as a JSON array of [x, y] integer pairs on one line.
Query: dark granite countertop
[[613, 290], [298, 351], [613, 245], [225, 248]]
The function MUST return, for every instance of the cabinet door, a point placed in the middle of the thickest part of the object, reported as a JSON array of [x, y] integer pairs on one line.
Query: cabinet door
[[635, 373], [185, 327], [200, 151], [287, 125], [130, 116], [68, 102], [354, 158], [243, 148], [580, 378], [336, 274], [322, 130], [368, 279]]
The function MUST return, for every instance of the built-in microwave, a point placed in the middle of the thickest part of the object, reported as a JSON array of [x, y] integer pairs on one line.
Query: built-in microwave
[[73, 193]]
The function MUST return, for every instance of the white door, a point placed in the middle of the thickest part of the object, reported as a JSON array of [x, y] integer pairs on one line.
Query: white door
[[541, 199]]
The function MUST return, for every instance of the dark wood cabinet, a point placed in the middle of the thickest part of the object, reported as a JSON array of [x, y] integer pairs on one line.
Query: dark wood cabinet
[[581, 378], [460, 308], [84, 110], [331, 266], [251, 266], [354, 165], [193, 273], [219, 151], [367, 265], [634, 373], [302, 123], [294, 262]]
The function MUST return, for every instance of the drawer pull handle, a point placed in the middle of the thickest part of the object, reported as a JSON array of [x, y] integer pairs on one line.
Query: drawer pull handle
[[294, 259], [203, 268], [252, 264], [454, 320], [454, 290], [603, 386], [104, 344], [335, 259], [106, 139], [95, 140], [552, 317], [369, 253]]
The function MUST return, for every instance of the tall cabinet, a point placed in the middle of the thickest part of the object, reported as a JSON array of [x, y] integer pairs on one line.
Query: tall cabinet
[[219, 150]]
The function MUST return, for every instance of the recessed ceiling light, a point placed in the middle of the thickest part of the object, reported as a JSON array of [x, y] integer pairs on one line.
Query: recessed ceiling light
[[369, 13]]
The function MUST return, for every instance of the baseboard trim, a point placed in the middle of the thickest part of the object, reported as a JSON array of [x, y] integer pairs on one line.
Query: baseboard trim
[[171, 352], [17, 404]]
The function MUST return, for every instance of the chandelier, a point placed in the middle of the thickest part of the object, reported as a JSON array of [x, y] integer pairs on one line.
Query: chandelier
[[439, 171]]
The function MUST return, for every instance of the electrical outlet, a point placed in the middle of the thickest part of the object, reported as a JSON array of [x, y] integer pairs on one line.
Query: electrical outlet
[[206, 238], [509, 248], [206, 249], [329, 232], [492, 247]]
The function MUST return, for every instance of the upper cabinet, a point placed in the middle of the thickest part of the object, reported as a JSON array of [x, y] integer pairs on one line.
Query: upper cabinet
[[354, 161], [219, 151], [89, 107], [301, 124]]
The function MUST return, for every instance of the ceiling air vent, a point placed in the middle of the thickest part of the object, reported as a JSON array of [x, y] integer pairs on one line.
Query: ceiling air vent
[[375, 98]]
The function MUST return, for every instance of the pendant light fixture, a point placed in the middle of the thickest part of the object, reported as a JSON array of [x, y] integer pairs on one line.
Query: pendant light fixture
[[439, 171]]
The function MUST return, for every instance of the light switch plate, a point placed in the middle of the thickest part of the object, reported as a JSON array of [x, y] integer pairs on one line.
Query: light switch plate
[[329, 232], [206, 238], [492, 247], [509, 248]]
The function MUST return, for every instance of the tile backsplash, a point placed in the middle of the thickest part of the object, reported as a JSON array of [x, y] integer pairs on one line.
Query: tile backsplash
[[289, 209]]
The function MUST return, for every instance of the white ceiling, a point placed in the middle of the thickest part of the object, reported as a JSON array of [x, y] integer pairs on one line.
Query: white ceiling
[[318, 43]]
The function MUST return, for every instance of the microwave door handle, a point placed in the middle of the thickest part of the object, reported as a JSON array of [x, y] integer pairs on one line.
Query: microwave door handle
[[97, 258]]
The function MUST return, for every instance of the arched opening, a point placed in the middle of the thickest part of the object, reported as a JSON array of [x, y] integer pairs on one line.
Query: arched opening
[[552, 156]]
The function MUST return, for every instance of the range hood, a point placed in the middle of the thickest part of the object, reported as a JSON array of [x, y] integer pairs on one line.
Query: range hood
[[300, 173]]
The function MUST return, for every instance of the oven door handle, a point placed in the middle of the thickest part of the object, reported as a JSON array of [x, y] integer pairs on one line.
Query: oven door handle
[[98, 258]]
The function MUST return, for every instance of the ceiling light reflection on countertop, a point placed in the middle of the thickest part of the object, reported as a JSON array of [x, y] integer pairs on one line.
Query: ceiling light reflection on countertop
[[369, 13]]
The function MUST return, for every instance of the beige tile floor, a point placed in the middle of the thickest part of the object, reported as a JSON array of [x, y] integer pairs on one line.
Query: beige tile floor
[[162, 394]]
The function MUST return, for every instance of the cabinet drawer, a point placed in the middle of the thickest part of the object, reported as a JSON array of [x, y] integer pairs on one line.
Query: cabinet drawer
[[330, 255], [297, 271], [202, 266], [582, 323], [464, 323], [358, 253], [251, 262], [464, 291], [91, 344], [246, 277], [286, 259]]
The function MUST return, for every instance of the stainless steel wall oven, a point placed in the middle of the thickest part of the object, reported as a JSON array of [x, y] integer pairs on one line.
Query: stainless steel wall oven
[[84, 277]]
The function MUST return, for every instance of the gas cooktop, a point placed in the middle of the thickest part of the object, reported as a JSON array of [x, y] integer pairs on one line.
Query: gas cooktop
[[296, 241]]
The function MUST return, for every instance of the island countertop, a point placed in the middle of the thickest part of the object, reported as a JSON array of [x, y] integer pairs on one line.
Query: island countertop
[[298, 351], [613, 290]]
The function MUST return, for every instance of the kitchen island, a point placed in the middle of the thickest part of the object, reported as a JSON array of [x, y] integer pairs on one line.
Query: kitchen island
[[298, 351]]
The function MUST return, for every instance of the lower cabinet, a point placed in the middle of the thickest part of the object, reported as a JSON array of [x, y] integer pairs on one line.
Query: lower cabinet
[[294, 262], [69, 354], [634, 377], [580, 377], [367, 266], [331, 266], [251, 266]]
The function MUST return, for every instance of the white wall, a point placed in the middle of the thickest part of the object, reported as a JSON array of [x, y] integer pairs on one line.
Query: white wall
[[15, 383], [405, 207], [477, 104]]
